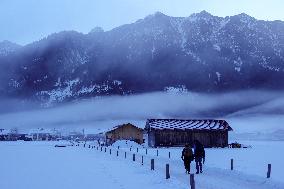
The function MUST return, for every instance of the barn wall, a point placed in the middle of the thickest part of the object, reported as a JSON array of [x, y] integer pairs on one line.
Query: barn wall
[[151, 139], [125, 132], [180, 138]]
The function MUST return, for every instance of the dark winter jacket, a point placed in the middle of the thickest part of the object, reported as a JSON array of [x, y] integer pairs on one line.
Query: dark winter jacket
[[187, 154], [199, 151]]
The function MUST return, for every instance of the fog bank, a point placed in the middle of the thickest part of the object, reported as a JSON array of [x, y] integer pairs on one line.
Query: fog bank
[[246, 111]]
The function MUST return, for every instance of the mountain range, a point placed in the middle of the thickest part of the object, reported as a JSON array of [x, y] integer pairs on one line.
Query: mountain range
[[201, 53]]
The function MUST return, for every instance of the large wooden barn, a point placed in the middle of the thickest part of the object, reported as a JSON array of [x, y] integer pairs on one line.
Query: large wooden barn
[[175, 132], [124, 132]]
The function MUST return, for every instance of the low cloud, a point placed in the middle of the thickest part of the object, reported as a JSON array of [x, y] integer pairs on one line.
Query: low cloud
[[102, 112]]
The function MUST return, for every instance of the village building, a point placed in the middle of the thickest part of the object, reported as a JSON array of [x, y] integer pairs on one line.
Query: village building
[[76, 136], [40, 134], [178, 132], [11, 135], [95, 137], [3, 134], [124, 132]]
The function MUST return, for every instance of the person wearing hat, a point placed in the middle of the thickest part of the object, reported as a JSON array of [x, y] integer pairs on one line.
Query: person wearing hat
[[187, 157], [199, 155]]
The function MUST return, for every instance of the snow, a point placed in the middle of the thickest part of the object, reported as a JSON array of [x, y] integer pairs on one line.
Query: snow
[[265, 64], [250, 165], [85, 90], [60, 94], [41, 165], [126, 144], [238, 64], [217, 47], [14, 83], [117, 82], [153, 51], [218, 76], [4, 131], [176, 90], [224, 22]]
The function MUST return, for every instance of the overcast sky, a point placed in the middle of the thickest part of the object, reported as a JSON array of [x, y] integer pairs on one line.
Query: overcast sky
[[24, 21]]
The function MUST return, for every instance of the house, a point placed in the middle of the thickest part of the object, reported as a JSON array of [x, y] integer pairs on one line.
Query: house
[[3, 134], [11, 135], [178, 132], [124, 132], [44, 134], [96, 137], [76, 135]]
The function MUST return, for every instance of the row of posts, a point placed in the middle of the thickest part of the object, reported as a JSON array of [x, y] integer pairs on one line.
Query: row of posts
[[268, 168], [192, 181], [157, 152]]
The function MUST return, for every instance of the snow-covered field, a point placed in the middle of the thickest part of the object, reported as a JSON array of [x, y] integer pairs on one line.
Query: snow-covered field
[[251, 161], [41, 165]]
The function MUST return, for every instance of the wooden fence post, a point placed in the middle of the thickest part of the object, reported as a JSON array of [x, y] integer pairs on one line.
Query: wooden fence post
[[146, 151], [89, 146], [117, 153], [268, 170], [109, 151], [232, 164], [84, 145], [169, 155], [157, 152], [101, 149], [130, 149], [192, 182], [167, 171], [142, 160], [137, 150], [133, 157], [125, 155], [152, 164], [105, 149], [117, 147]]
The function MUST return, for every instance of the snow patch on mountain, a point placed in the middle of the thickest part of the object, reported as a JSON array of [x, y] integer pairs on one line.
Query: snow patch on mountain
[[238, 64], [266, 65], [14, 83], [218, 76], [217, 47], [59, 94], [176, 90]]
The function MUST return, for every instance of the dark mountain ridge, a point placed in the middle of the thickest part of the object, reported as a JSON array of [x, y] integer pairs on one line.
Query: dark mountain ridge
[[201, 53]]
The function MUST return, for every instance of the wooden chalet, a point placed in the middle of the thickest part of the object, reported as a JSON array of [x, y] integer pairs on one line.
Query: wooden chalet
[[124, 132], [177, 132]]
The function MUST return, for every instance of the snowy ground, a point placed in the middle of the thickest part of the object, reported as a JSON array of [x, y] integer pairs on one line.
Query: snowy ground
[[252, 160], [41, 165]]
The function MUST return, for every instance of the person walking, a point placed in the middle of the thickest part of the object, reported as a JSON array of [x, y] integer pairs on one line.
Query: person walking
[[187, 157], [199, 155]]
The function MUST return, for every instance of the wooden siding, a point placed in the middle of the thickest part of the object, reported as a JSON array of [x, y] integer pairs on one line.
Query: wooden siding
[[125, 132], [181, 137]]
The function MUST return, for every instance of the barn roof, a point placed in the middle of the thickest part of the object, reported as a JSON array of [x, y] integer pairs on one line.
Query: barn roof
[[4, 132], [118, 126], [181, 124]]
